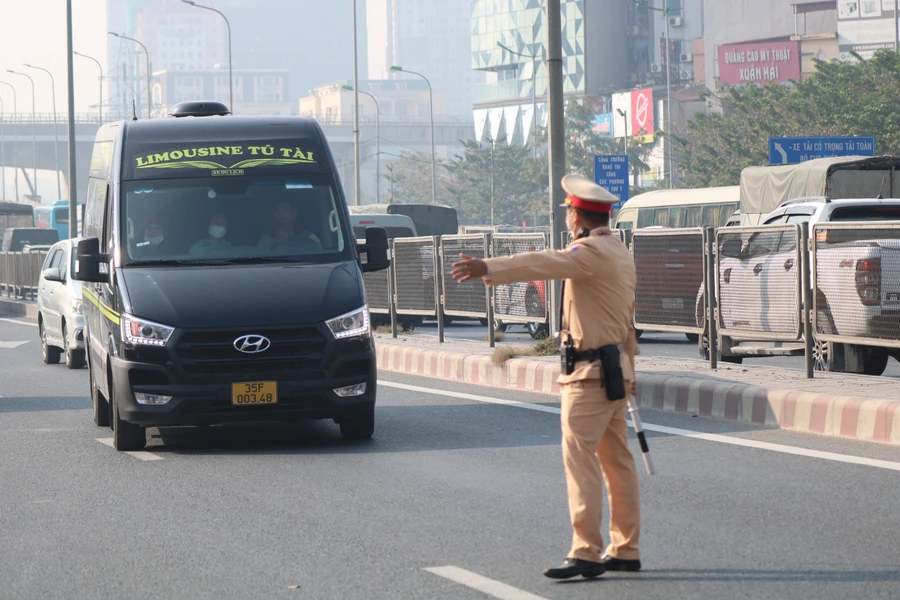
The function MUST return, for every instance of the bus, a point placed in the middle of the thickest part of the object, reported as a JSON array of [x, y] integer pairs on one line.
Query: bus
[[14, 214], [56, 217], [700, 207]]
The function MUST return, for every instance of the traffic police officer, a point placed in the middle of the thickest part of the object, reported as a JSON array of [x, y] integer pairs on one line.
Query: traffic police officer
[[597, 309]]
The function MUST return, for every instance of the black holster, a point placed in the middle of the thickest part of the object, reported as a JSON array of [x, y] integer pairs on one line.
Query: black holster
[[610, 366]]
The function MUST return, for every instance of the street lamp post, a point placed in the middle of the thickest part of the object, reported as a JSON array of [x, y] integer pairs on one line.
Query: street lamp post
[[431, 119], [624, 115], [147, 56], [356, 158], [533, 58], [55, 132], [2, 156], [70, 125], [377, 142], [492, 183], [15, 140], [667, 125], [100, 105], [33, 130], [227, 25], [556, 146]]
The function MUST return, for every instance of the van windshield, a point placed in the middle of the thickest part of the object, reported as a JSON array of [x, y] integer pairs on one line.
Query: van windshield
[[224, 220]]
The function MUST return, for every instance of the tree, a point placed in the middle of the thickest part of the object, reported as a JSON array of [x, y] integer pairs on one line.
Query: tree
[[840, 98], [410, 177], [514, 190]]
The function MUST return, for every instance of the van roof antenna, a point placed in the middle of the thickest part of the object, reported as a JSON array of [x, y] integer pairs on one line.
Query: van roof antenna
[[880, 195], [133, 110]]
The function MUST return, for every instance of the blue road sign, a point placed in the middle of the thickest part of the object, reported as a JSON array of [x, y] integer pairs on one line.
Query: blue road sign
[[792, 150], [611, 171]]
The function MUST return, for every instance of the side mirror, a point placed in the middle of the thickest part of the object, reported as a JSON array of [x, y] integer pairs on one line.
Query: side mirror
[[52, 274], [375, 249], [87, 267], [731, 248]]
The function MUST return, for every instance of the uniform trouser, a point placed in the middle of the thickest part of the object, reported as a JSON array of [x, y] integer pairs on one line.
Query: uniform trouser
[[595, 442]]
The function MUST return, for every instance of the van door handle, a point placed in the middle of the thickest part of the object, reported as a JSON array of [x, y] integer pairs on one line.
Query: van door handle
[[757, 269], [789, 264]]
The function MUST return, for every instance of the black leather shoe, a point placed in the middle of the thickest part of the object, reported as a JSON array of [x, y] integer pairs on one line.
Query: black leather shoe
[[572, 567], [611, 563]]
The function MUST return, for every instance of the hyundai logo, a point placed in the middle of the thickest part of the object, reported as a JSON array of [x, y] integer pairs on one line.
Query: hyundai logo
[[252, 344]]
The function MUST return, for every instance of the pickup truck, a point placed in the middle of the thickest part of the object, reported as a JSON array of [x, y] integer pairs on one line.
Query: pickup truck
[[857, 288]]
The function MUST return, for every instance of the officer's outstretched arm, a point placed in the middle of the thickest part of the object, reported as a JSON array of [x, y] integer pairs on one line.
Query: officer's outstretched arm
[[579, 261]]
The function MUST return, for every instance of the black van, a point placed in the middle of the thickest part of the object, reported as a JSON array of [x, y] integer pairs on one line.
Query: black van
[[222, 281]]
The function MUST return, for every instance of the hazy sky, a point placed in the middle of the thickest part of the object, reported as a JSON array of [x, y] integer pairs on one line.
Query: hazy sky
[[34, 32]]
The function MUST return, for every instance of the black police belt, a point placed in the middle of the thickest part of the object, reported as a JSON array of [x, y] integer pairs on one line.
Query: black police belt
[[610, 365]]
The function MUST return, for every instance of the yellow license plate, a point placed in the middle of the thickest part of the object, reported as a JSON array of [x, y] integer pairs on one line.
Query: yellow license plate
[[258, 392]]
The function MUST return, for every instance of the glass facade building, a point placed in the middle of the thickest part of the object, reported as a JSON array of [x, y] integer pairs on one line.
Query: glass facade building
[[509, 39]]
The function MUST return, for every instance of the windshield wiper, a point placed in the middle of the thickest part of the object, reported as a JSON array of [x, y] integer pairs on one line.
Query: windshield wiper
[[262, 259], [176, 262]]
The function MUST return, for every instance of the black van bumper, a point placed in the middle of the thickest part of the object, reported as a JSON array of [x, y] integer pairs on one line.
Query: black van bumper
[[210, 403]]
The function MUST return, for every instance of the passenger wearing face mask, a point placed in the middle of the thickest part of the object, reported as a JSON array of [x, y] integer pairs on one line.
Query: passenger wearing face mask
[[152, 244], [218, 227]]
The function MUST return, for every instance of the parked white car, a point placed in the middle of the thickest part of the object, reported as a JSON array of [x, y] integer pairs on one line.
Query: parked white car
[[60, 321], [858, 286]]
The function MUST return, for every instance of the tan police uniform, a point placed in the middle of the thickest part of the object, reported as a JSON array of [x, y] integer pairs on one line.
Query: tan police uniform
[[598, 304]]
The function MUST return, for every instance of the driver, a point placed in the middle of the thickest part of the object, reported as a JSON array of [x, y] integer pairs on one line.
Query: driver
[[283, 227], [154, 238]]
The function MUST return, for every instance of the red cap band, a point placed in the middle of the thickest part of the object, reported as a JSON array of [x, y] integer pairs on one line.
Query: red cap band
[[598, 207]]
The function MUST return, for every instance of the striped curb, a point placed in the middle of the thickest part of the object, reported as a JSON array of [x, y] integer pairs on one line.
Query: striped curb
[[15, 308], [852, 417]]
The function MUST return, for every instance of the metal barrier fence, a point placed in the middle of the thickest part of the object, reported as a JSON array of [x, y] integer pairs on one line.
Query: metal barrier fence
[[519, 302], [20, 273], [669, 268], [467, 299], [414, 267], [759, 285], [378, 292], [856, 276]]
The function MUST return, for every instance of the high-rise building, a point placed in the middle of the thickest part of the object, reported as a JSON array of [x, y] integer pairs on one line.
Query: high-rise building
[[508, 43], [427, 36]]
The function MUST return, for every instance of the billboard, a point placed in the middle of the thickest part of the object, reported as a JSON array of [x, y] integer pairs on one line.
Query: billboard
[[603, 124], [621, 107], [865, 26], [642, 115], [759, 63]]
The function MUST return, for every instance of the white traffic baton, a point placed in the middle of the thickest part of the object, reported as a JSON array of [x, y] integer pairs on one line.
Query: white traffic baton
[[642, 439]]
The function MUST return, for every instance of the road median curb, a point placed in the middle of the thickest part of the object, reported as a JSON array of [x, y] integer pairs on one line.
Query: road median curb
[[18, 308], [864, 419]]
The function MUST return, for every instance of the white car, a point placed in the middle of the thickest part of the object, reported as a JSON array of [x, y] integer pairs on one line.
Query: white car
[[60, 321], [857, 290]]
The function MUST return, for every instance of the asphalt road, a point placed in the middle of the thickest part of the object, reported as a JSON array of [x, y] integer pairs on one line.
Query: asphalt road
[[652, 343], [456, 481]]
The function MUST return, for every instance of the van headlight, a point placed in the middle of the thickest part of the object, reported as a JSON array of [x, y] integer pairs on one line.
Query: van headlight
[[352, 324], [75, 305], [141, 331]]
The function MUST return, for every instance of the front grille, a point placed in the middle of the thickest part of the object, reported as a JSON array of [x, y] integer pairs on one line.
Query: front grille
[[296, 350]]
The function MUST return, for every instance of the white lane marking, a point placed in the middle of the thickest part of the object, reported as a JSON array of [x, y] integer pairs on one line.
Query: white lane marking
[[138, 454], [491, 587], [17, 322], [462, 396], [11, 345], [699, 435]]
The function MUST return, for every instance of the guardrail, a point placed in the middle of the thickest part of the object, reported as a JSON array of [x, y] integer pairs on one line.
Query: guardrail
[[669, 268], [856, 299], [20, 273], [519, 302], [760, 281]]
